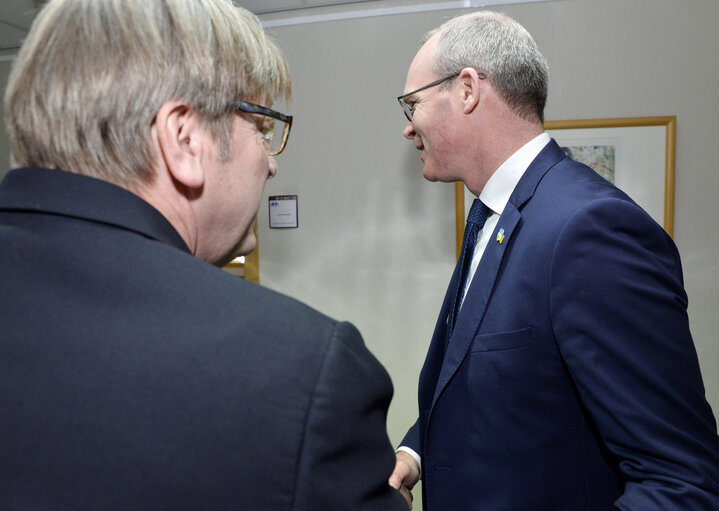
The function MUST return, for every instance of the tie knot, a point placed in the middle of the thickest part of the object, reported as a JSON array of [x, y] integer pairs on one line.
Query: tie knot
[[478, 213]]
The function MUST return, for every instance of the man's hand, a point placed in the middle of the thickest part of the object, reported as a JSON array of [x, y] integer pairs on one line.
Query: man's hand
[[405, 475]]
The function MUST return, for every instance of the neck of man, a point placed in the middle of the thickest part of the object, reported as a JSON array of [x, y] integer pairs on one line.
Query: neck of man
[[498, 143]]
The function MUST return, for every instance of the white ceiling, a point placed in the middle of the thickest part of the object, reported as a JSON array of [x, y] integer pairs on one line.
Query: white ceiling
[[17, 15]]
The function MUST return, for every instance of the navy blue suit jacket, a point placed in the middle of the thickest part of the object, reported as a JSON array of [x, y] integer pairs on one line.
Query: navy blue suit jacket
[[135, 376], [571, 380]]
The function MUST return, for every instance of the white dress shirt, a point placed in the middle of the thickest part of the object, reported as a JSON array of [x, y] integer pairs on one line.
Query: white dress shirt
[[495, 196], [497, 191]]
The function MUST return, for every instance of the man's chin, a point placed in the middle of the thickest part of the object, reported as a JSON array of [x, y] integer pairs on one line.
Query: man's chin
[[432, 177], [249, 243], [428, 174], [245, 247], [442, 176]]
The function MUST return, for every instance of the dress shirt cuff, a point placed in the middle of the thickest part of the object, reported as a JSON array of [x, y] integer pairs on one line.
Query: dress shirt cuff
[[413, 454]]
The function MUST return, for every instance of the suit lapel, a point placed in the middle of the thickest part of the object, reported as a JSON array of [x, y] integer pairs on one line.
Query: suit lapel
[[475, 303], [485, 276]]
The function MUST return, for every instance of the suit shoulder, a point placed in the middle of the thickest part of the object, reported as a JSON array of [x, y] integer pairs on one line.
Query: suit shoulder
[[221, 286]]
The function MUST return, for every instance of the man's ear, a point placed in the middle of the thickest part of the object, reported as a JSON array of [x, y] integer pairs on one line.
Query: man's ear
[[182, 138], [469, 89]]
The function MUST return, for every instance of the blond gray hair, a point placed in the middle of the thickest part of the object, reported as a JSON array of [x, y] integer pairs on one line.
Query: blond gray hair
[[501, 48], [92, 74]]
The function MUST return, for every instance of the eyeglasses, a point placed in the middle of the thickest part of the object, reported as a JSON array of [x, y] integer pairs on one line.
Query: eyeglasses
[[408, 109], [274, 132]]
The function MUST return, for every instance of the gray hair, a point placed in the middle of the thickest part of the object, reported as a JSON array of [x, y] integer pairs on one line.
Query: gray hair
[[502, 49], [92, 75]]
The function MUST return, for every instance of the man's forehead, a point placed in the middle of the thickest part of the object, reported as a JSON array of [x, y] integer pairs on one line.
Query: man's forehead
[[421, 68]]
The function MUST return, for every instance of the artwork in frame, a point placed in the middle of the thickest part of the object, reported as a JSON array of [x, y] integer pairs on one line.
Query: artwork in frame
[[635, 153]]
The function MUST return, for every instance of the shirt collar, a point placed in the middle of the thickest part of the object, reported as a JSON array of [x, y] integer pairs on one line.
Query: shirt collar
[[500, 186]]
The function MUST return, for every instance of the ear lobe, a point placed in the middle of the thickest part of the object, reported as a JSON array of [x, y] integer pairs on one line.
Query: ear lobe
[[181, 137], [469, 89]]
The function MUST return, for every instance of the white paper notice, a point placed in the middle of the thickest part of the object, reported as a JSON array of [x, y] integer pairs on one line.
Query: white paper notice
[[283, 211]]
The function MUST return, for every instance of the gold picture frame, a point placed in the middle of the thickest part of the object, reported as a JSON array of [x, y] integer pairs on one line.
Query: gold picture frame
[[648, 148]]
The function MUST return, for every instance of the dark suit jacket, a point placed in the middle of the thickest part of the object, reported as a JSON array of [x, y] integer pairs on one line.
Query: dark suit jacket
[[134, 376], [571, 381]]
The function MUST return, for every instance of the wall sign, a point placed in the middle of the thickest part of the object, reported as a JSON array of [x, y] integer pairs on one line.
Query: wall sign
[[283, 211]]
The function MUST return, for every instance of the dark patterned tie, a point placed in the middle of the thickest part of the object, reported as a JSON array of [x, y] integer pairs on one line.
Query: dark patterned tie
[[475, 221]]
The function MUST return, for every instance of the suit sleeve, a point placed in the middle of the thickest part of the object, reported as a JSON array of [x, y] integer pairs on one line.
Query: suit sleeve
[[411, 439], [346, 455], [619, 312]]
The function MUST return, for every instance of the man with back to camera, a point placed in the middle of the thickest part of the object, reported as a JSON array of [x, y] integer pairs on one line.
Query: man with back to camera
[[561, 375], [132, 374]]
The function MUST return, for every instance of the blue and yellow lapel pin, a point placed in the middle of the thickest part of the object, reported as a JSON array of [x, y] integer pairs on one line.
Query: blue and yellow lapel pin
[[500, 236]]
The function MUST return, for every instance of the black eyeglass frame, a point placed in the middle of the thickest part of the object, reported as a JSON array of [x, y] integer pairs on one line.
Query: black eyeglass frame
[[407, 108], [252, 108]]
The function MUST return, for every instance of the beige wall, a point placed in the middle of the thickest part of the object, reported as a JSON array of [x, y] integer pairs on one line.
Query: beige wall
[[375, 243]]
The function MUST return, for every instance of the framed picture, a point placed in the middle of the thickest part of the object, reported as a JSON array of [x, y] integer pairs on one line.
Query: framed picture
[[635, 153]]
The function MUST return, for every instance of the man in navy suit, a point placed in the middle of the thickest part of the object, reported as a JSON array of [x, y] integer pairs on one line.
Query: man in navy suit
[[133, 374], [568, 378]]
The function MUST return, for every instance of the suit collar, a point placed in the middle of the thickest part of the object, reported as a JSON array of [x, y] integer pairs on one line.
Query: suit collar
[[546, 159], [74, 195]]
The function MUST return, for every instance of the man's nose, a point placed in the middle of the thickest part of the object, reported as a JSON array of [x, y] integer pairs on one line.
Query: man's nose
[[408, 131]]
